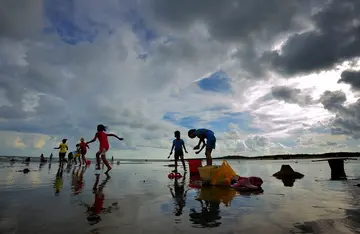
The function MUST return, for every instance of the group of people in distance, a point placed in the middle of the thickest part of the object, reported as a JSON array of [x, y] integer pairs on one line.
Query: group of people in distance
[[178, 145], [81, 148]]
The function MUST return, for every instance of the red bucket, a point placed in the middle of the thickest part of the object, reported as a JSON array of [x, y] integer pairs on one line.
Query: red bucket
[[194, 164]]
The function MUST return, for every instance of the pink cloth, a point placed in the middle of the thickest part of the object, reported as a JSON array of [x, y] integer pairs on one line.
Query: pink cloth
[[248, 182]]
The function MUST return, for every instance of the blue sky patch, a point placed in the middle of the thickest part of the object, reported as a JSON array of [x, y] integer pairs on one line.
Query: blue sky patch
[[61, 16], [217, 82], [242, 119], [186, 122]]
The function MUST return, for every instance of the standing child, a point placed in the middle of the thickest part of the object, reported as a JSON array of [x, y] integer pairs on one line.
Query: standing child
[[203, 134], [83, 149], [76, 154], [178, 145], [104, 146], [63, 148]]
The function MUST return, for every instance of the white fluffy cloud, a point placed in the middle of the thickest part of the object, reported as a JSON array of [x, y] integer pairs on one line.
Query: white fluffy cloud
[[147, 69]]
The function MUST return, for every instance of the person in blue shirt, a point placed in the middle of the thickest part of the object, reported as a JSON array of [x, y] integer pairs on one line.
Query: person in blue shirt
[[203, 134], [178, 145]]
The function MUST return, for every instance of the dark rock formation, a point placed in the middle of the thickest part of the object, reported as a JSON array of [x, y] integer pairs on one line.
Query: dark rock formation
[[288, 175], [337, 169]]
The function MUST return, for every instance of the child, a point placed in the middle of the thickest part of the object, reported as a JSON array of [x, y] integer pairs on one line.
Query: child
[[83, 149], [203, 134], [178, 144], [76, 154], [63, 148], [102, 136]]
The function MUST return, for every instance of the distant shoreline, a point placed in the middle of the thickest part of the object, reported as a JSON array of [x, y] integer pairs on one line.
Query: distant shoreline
[[233, 157]]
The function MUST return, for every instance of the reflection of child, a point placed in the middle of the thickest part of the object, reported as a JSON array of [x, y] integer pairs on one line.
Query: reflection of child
[[203, 134], [179, 195], [102, 136], [58, 181], [178, 145], [79, 184], [99, 198]]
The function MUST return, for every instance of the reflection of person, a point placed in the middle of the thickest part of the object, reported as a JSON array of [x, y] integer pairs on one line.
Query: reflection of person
[[210, 213], [203, 134], [78, 180], [179, 195], [178, 145], [99, 198], [58, 181]]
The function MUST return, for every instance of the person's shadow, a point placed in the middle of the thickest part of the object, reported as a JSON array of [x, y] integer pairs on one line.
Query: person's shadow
[[179, 195], [97, 208], [58, 184]]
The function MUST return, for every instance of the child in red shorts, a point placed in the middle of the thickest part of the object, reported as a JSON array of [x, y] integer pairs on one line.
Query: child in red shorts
[[102, 136]]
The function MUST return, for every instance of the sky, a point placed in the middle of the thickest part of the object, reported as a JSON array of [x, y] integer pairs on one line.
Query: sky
[[268, 77]]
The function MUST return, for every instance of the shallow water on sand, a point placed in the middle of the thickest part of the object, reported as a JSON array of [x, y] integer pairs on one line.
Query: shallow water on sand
[[137, 199]]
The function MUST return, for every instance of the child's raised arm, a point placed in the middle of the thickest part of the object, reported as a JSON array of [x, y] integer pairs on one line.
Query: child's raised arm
[[57, 147], [94, 139], [113, 135]]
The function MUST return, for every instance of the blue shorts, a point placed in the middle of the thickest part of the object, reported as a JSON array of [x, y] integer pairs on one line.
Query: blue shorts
[[210, 143]]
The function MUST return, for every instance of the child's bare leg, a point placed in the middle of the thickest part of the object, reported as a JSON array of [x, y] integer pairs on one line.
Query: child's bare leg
[[176, 162], [98, 160], [106, 162], [183, 162], [208, 156], [83, 158]]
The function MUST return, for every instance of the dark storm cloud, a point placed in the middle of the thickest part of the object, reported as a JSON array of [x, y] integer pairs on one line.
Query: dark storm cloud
[[233, 20], [347, 117], [291, 95], [252, 25], [352, 78], [334, 39], [333, 100]]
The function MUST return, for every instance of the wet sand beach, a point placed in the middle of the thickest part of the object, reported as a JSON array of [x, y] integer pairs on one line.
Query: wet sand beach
[[139, 198]]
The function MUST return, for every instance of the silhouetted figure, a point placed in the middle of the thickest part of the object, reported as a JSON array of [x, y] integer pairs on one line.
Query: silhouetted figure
[[50, 158], [42, 159]]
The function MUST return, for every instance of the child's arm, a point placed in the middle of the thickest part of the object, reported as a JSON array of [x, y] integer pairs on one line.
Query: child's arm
[[202, 147], [201, 140], [57, 147], [67, 148], [184, 147], [94, 139], [87, 146], [172, 148], [113, 135]]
